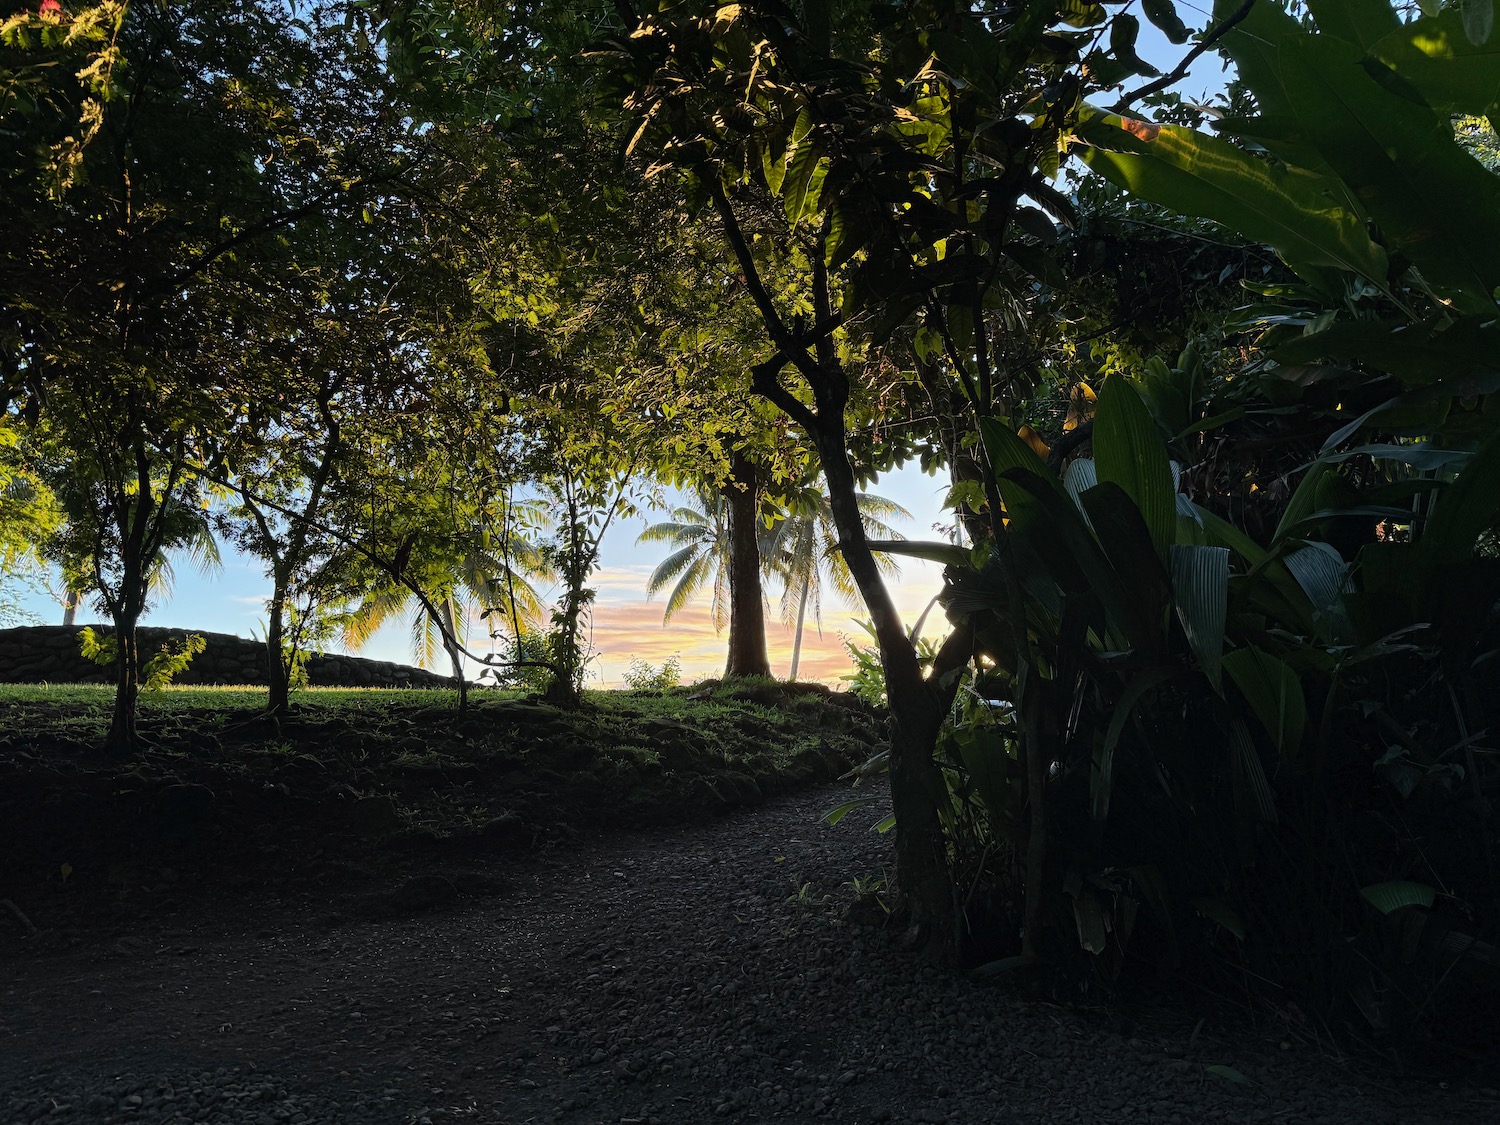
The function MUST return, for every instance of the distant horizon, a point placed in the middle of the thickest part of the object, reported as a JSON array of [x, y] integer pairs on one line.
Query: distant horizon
[[625, 625]]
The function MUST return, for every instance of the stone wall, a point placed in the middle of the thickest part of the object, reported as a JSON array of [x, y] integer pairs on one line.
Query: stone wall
[[49, 653]]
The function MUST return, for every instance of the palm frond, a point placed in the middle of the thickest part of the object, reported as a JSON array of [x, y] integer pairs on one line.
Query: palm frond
[[693, 579]]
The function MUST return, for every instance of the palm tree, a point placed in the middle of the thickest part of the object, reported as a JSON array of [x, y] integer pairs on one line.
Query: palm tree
[[489, 577], [804, 546], [701, 558]]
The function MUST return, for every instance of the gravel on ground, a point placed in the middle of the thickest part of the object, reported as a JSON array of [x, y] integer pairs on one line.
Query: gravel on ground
[[713, 972]]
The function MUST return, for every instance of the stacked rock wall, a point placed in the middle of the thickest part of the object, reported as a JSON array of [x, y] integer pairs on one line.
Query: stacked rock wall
[[49, 654]]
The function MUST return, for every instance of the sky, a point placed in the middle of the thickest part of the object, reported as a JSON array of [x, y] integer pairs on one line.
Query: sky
[[625, 625]]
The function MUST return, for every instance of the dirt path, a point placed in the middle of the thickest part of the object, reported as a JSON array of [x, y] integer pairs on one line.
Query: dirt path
[[677, 976]]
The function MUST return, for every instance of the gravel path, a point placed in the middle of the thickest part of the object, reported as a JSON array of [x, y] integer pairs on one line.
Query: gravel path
[[675, 976]]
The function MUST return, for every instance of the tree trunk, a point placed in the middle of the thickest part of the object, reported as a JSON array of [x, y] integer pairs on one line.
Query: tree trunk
[[797, 636], [917, 707], [455, 657], [747, 613], [563, 690], [123, 740], [70, 608], [566, 651], [278, 666]]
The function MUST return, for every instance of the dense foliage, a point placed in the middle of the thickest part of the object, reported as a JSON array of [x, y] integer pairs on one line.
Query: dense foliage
[[413, 301]]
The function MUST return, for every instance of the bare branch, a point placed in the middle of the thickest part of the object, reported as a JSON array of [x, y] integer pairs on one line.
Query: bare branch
[[1180, 71]]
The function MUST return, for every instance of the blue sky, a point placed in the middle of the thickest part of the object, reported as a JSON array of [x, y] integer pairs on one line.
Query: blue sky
[[625, 625]]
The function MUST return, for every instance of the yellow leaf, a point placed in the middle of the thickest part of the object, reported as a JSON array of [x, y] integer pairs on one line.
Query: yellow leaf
[[66, 869], [1080, 406], [1034, 439]]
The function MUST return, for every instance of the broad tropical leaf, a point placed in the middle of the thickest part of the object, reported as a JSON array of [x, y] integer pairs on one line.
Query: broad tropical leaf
[[1128, 451], [1200, 581], [1431, 200], [1273, 691], [1294, 210], [1397, 894]]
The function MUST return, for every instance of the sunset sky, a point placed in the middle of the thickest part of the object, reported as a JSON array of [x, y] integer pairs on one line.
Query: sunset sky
[[624, 626]]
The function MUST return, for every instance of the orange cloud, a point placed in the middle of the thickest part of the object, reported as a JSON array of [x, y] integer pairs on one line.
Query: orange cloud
[[625, 629]]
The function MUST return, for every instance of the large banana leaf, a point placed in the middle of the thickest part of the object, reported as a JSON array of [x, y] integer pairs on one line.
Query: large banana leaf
[[1254, 46], [1434, 57], [1431, 200], [1362, 22], [1128, 451], [1294, 210]]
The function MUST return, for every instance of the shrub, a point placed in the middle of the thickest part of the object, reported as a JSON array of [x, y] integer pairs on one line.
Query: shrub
[[642, 676]]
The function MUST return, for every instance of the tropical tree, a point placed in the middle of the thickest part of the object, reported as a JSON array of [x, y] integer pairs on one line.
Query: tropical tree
[[490, 578], [700, 538], [882, 173], [130, 277], [722, 544], [803, 547]]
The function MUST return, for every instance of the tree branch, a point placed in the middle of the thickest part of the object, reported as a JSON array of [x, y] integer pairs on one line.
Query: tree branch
[[764, 382], [1180, 71], [1077, 436]]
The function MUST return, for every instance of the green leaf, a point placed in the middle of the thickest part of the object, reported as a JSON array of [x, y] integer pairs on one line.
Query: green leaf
[[1273, 691], [1163, 13], [1464, 510], [1005, 451], [1007, 965], [1122, 36], [1101, 776], [1479, 20], [1129, 451], [1133, 585], [1362, 22], [1419, 455], [1403, 164], [1295, 211], [1323, 575], [1223, 914], [1307, 498], [1088, 915], [838, 812], [1200, 581], [849, 229], [802, 156], [949, 554], [1434, 56], [1398, 894], [1248, 771], [1254, 46]]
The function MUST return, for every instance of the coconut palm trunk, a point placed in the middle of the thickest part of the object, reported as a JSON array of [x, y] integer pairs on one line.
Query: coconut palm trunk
[[797, 635], [747, 615]]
